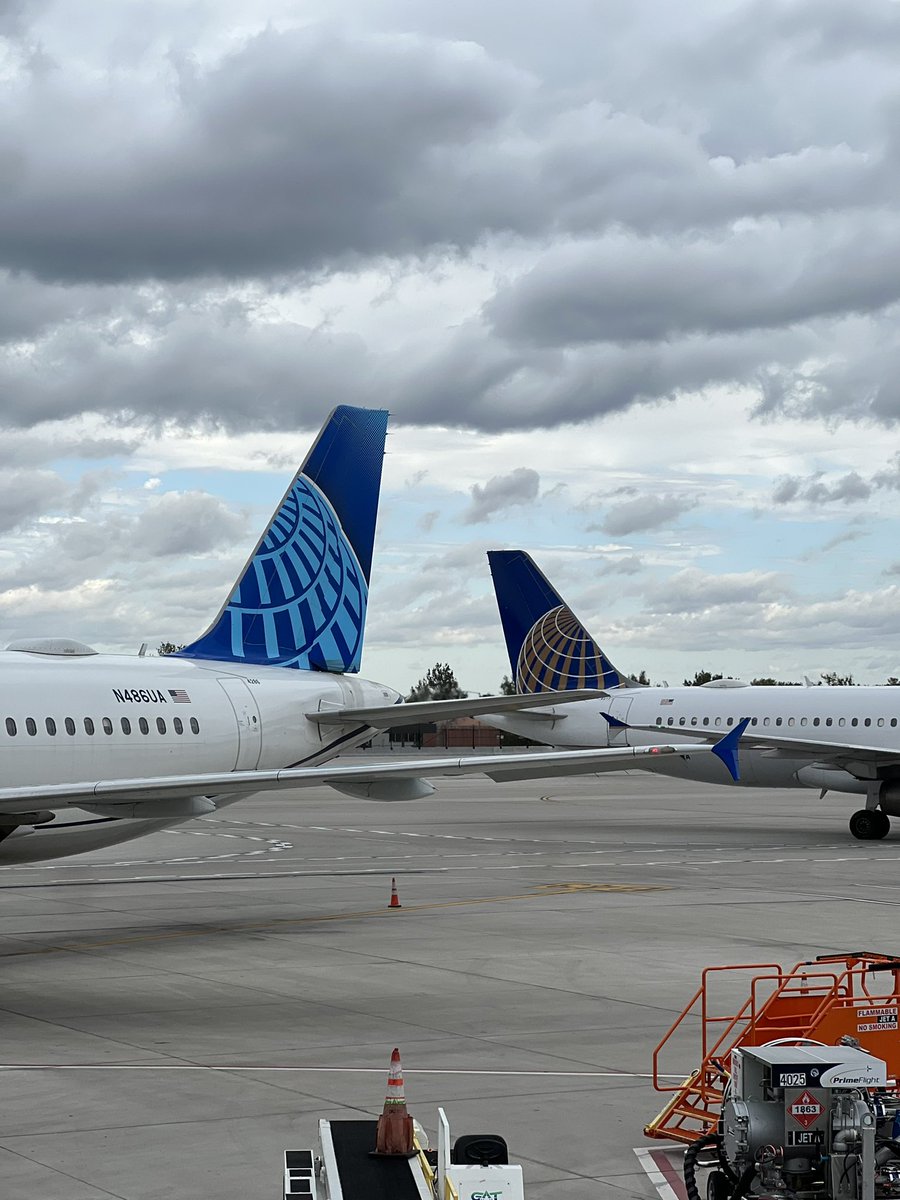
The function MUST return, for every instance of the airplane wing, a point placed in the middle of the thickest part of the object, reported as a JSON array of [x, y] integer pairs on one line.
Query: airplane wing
[[393, 715], [171, 796], [843, 754]]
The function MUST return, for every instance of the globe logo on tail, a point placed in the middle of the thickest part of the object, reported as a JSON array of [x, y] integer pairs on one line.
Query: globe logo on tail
[[302, 600], [558, 653]]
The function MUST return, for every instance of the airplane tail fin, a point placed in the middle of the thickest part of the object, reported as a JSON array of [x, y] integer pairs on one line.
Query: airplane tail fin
[[300, 600], [549, 649]]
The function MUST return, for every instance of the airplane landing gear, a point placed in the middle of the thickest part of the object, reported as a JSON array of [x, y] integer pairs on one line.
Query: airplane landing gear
[[870, 824]]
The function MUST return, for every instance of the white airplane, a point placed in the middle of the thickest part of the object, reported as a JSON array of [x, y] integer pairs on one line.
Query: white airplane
[[844, 739], [97, 749]]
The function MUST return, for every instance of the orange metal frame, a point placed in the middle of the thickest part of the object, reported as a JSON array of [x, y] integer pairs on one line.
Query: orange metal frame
[[821, 1001]]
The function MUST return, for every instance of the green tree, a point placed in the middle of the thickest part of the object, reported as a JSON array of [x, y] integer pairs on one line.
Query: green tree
[[832, 679], [438, 683], [643, 678], [768, 681], [507, 686], [168, 648], [893, 681], [700, 677]]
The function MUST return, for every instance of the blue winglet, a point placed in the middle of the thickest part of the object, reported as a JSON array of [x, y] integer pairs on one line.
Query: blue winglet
[[727, 748], [614, 722]]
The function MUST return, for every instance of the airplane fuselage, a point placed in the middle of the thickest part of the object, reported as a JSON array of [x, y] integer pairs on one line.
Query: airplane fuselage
[[88, 717], [868, 716]]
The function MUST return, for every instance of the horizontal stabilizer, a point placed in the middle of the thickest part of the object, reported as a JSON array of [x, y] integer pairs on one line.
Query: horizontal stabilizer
[[390, 716]]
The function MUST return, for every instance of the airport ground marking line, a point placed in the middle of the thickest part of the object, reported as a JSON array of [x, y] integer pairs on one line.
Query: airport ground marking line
[[288, 922], [657, 1175], [267, 1067]]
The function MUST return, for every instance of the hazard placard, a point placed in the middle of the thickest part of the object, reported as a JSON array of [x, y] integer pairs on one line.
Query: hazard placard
[[806, 1109]]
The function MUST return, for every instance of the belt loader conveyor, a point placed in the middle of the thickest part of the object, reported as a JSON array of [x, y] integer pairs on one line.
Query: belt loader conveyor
[[344, 1168]]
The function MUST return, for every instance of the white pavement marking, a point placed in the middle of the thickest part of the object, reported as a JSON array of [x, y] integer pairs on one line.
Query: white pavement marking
[[648, 1160], [329, 1070]]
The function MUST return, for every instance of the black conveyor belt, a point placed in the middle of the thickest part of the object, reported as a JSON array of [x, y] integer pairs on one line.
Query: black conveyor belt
[[364, 1177]]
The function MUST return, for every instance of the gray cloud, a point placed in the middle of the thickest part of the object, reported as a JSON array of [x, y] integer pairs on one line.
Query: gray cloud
[[298, 153], [848, 488], [631, 564], [693, 590], [27, 495], [768, 617], [520, 486], [643, 513], [489, 385], [19, 448], [623, 289], [207, 364], [111, 543], [316, 147], [187, 523], [841, 539]]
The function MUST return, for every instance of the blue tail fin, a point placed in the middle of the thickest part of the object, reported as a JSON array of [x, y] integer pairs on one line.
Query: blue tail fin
[[300, 600], [549, 649]]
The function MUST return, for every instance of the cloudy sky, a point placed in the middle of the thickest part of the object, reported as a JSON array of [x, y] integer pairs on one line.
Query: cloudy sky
[[626, 273]]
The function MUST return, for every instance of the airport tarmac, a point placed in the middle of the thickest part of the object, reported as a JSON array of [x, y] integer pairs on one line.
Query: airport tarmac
[[549, 934]]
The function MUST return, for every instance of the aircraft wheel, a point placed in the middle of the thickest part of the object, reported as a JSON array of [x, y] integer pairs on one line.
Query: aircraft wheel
[[870, 824]]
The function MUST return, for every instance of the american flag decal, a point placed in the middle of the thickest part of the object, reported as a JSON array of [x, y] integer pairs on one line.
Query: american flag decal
[[179, 696], [668, 701]]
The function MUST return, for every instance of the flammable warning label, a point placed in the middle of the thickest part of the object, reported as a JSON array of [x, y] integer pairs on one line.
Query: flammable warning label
[[871, 1020], [806, 1109]]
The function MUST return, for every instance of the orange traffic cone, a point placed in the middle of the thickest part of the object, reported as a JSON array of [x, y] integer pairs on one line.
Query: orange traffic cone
[[395, 899], [395, 1126]]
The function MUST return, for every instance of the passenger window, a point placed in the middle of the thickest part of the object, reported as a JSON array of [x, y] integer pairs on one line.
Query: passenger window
[[31, 726], [126, 725], [803, 721], [107, 725], [671, 721], [778, 720], [51, 726], [854, 721], [828, 720], [160, 725], [89, 726], [70, 727], [142, 725], [790, 720], [706, 720], [880, 722], [765, 720], [868, 722], [841, 721], [176, 723], [815, 720], [195, 725], [680, 720], [718, 720], [730, 721], [693, 720], [10, 727], [753, 721], [893, 722], [179, 727]]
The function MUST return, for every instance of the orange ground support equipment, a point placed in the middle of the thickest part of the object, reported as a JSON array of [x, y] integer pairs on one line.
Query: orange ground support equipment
[[856, 995]]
